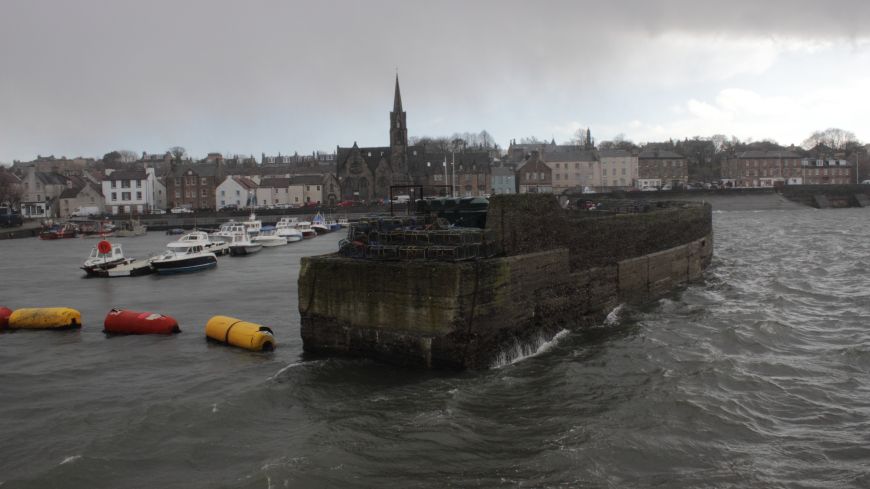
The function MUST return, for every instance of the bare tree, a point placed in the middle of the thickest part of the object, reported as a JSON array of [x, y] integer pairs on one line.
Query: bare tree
[[10, 189], [833, 137], [177, 152]]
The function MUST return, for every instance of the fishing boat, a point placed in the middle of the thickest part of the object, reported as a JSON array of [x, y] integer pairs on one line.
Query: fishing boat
[[332, 224], [60, 231], [318, 224], [305, 228], [286, 228], [180, 259]]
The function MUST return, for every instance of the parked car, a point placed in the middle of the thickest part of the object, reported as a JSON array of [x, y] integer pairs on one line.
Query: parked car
[[158, 211], [313, 203], [180, 210]]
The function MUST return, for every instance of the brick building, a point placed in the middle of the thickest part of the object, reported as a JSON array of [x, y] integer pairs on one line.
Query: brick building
[[663, 166]]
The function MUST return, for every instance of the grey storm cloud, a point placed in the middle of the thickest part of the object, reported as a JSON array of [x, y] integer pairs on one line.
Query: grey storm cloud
[[88, 76]]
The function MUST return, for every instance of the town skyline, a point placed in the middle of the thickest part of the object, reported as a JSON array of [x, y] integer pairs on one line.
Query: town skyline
[[89, 78]]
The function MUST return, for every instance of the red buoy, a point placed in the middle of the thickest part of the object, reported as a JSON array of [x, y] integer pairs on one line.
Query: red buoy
[[104, 247], [120, 321], [5, 312]]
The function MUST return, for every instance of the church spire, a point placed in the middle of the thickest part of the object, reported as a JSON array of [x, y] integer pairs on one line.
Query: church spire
[[397, 100]]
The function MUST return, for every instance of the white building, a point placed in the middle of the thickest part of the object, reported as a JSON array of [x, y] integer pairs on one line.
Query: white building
[[131, 191], [279, 191], [236, 191]]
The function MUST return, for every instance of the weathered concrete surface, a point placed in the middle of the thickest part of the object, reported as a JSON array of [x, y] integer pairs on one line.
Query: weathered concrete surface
[[465, 314]]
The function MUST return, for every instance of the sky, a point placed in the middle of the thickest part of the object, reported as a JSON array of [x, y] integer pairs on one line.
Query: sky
[[85, 77]]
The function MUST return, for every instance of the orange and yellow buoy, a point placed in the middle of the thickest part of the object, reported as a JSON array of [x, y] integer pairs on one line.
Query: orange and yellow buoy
[[235, 332], [45, 318]]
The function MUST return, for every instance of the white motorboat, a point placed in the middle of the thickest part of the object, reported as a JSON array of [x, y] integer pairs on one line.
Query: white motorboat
[[227, 230], [200, 238], [305, 228], [253, 225], [181, 259], [104, 256], [286, 228], [343, 222], [269, 239], [242, 245], [132, 269], [319, 225]]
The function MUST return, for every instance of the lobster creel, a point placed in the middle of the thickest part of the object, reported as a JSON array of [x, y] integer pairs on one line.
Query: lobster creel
[[5, 312], [122, 321], [235, 332], [45, 318]]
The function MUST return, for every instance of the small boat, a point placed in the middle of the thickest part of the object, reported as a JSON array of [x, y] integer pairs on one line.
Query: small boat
[[343, 222], [227, 230], [104, 257], [192, 258], [269, 239], [134, 268], [332, 224], [286, 228], [318, 224], [200, 238], [96, 229], [129, 229], [58, 231], [252, 225], [305, 228], [242, 245]]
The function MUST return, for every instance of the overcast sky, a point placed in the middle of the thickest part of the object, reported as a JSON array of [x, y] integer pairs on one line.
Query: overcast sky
[[84, 77]]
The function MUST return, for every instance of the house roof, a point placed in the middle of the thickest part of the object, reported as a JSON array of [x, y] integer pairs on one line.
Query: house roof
[[574, 155], [307, 180], [200, 170], [757, 154], [275, 182], [613, 153], [653, 154], [127, 175], [50, 178], [245, 183]]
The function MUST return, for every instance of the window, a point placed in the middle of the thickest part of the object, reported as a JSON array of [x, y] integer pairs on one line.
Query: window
[[125, 196], [138, 183], [203, 181], [114, 184], [623, 171], [223, 193], [204, 193], [125, 183], [177, 182], [138, 195], [178, 194], [318, 188], [238, 193], [114, 196]]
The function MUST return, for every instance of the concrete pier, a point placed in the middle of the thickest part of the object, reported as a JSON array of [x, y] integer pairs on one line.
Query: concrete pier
[[560, 269]]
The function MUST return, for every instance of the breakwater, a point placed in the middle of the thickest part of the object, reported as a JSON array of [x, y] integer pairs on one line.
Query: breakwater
[[558, 269]]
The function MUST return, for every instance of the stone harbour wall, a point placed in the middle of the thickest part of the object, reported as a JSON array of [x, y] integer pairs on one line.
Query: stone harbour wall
[[465, 314]]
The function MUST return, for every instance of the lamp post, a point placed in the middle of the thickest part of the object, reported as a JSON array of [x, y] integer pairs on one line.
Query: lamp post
[[453, 178]]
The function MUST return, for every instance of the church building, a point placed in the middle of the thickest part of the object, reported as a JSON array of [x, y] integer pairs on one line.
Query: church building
[[367, 173]]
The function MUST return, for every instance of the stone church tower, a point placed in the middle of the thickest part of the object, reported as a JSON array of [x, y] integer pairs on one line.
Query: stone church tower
[[399, 140]]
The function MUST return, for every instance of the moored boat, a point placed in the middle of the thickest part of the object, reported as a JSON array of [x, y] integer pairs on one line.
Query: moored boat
[[191, 258], [129, 229], [104, 256], [269, 239], [305, 228], [319, 225], [242, 245], [58, 231], [286, 228], [201, 238]]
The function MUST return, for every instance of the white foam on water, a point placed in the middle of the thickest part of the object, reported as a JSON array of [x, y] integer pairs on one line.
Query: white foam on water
[[69, 459], [520, 352], [214, 408], [284, 369], [612, 318]]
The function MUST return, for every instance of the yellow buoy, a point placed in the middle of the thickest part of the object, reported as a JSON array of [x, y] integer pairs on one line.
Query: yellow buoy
[[236, 332], [45, 318]]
